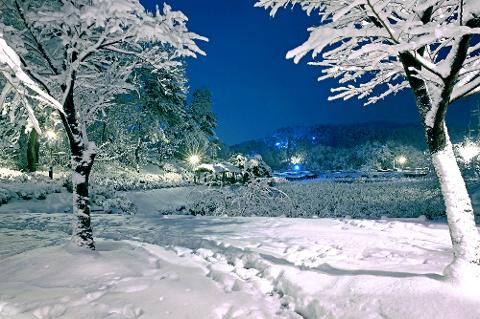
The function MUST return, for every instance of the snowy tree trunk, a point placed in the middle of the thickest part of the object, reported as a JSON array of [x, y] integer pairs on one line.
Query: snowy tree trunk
[[465, 266], [82, 161], [83, 156], [461, 222]]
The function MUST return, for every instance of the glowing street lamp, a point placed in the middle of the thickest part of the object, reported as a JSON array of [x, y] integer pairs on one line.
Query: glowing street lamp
[[194, 160], [51, 135], [402, 160], [297, 159]]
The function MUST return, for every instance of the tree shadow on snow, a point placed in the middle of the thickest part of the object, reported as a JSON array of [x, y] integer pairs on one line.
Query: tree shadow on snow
[[326, 268]]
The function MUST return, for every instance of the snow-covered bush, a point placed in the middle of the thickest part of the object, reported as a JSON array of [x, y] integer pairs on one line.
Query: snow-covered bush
[[112, 201], [252, 167], [257, 198], [35, 187], [130, 180], [12, 175], [405, 198], [6, 195]]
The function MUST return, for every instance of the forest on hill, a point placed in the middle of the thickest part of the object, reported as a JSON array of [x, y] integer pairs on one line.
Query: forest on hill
[[369, 146]]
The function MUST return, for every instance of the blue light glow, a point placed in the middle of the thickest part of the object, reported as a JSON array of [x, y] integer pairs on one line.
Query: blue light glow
[[296, 167]]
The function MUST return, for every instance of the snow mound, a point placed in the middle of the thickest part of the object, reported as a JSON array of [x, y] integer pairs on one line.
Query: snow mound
[[121, 280]]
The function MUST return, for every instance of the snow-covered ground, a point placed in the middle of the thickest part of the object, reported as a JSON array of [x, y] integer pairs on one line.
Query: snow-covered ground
[[155, 266]]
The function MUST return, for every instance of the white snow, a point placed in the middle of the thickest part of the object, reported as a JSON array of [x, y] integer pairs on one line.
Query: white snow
[[153, 266]]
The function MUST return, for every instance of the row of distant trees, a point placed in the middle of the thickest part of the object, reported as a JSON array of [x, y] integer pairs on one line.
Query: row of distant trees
[[335, 147]]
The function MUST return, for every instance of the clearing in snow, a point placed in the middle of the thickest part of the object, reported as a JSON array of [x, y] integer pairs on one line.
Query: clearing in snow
[[155, 266]]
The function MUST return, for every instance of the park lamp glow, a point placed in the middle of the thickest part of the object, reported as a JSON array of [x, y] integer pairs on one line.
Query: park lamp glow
[[401, 160], [297, 159], [468, 151], [51, 135], [194, 159]]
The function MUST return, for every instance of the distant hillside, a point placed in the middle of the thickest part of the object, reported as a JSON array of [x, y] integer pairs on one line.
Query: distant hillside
[[333, 147]]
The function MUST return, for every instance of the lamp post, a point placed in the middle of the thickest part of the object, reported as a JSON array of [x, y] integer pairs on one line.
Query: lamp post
[[194, 160], [51, 138]]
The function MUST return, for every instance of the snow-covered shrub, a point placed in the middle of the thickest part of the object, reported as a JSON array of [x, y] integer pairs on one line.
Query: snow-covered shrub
[[252, 167], [29, 186], [112, 201], [123, 178], [125, 181], [257, 198], [6, 195], [13, 175], [403, 198], [395, 198]]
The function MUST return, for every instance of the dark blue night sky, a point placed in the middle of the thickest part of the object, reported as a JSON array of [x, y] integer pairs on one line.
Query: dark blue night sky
[[255, 90]]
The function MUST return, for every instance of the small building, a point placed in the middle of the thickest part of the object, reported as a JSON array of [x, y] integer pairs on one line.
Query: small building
[[223, 172]]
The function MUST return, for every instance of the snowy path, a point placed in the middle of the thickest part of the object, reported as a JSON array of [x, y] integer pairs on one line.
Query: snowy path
[[202, 267]]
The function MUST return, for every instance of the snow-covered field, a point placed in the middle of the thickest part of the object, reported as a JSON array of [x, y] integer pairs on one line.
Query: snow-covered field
[[155, 266]]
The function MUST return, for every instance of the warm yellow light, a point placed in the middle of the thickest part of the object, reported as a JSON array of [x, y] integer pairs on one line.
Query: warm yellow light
[[194, 159], [401, 160], [297, 159], [51, 135]]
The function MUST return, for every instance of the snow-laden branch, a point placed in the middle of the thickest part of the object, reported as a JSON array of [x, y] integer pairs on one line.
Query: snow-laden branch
[[103, 40], [360, 38], [20, 83]]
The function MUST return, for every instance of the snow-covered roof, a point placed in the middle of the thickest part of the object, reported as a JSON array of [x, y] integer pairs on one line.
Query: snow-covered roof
[[218, 168]]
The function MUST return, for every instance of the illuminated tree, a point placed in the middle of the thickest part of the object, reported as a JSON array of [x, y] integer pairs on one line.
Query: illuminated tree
[[83, 52], [378, 48]]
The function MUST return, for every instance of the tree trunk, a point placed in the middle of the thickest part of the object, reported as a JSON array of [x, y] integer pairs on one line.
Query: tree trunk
[[461, 222], [82, 162], [137, 156], [465, 267], [32, 151], [83, 156]]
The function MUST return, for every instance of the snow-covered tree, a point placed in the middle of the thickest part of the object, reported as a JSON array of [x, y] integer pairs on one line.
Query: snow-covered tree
[[18, 99], [144, 126], [203, 122], [19, 90], [83, 52], [201, 110], [376, 48]]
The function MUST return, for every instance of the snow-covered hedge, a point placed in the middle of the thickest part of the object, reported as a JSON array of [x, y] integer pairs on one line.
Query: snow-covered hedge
[[257, 198], [123, 179], [21, 186], [396, 198], [106, 182], [7, 174], [111, 201]]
